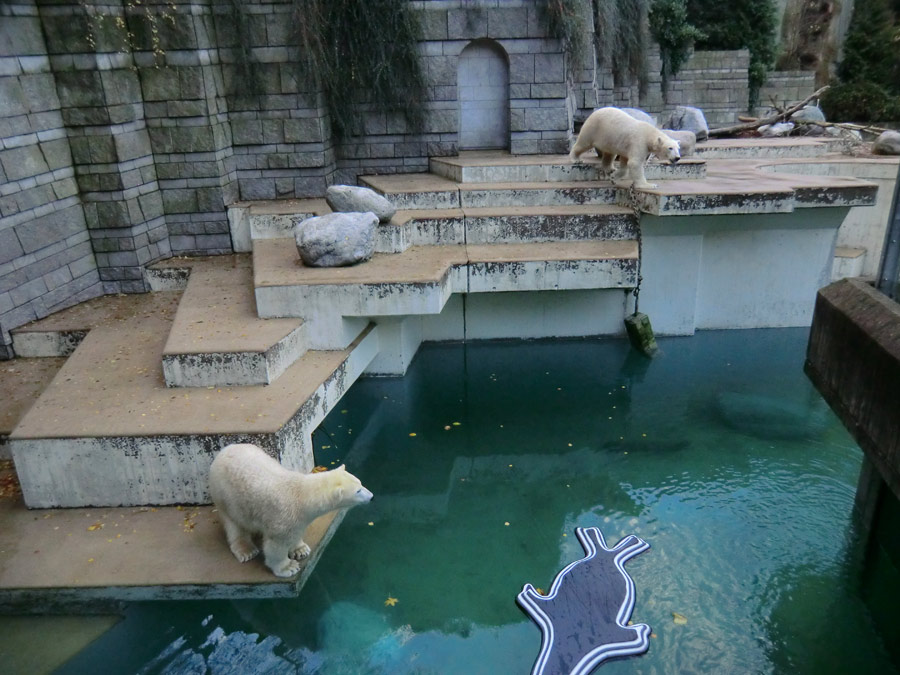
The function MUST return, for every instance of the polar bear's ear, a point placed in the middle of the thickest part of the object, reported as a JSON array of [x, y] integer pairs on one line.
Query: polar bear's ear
[[341, 468]]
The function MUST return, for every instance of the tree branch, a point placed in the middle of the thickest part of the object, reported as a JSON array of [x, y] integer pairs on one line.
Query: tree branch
[[771, 119]]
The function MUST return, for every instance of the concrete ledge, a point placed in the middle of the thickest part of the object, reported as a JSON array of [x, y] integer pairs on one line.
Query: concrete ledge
[[767, 148], [498, 167], [421, 279], [85, 557], [853, 358]]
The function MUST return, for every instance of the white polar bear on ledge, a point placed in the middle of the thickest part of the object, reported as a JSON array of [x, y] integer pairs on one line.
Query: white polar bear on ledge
[[614, 133], [256, 496]]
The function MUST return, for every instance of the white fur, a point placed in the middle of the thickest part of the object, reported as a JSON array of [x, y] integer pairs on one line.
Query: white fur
[[614, 133], [257, 497]]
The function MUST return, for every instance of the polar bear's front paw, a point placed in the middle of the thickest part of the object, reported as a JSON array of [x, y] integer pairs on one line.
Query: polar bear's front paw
[[300, 552], [244, 551], [286, 569]]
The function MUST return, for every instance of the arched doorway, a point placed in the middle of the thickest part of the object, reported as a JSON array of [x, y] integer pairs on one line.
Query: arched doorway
[[483, 92]]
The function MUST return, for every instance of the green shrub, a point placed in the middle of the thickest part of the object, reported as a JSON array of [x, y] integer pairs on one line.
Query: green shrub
[[676, 37], [567, 21], [859, 101], [872, 46]]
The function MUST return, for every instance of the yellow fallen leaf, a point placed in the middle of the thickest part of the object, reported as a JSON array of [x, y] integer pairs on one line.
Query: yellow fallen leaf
[[95, 527], [456, 424], [540, 591], [90, 560], [413, 434], [679, 619], [390, 602]]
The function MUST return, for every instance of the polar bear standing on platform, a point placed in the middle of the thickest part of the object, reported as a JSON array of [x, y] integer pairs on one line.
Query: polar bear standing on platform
[[614, 133], [257, 497]]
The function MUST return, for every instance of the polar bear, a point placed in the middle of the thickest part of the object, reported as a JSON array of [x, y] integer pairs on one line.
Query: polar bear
[[614, 133], [257, 497]]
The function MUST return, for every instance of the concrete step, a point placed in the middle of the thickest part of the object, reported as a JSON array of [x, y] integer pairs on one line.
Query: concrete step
[[107, 431], [848, 262], [430, 191], [60, 333], [504, 225], [218, 340], [494, 167], [269, 219], [21, 383], [421, 279]]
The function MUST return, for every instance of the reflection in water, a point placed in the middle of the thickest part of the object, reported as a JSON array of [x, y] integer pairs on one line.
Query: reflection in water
[[718, 453]]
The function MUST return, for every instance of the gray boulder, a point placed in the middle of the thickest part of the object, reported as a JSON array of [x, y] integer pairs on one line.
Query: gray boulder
[[809, 115], [687, 140], [337, 239], [773, 130], [888, 143], [691, 119], [639, 115], [352, 199]]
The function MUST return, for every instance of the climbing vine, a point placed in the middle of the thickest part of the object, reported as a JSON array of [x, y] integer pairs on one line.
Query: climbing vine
[[361, 52], [620, 36], [675, 35], [568, 22]]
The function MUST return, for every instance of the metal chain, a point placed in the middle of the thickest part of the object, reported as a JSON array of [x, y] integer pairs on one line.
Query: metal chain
[[633, 203]]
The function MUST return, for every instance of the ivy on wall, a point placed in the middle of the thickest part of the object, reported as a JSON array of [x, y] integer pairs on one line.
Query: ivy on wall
[[366, 52]]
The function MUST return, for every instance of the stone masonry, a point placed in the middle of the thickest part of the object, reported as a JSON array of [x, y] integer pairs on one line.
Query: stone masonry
[[127, 129]]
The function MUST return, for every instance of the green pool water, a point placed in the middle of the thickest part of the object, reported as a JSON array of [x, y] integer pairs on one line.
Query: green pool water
[[484, 459]]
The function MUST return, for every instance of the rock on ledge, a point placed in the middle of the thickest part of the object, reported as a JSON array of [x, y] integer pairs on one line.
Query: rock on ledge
[[337, 239], [351, 199]]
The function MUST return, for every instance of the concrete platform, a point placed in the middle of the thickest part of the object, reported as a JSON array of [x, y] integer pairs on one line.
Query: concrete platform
[[108, 431], [53, 559], [420, 280], [743, 187], [217, 338]]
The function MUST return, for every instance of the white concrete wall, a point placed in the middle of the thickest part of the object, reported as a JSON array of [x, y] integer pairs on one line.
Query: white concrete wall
[[749, 271]]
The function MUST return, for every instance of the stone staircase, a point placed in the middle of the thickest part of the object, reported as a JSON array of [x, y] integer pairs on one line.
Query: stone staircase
[[260, 348]]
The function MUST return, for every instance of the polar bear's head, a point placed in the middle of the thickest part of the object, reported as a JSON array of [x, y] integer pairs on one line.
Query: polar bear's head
[[667, 148], [348, 489]]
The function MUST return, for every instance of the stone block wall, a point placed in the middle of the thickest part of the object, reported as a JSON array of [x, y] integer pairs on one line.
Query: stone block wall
[[46, 258], [127, 129], [715, 81], [786, 87]]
